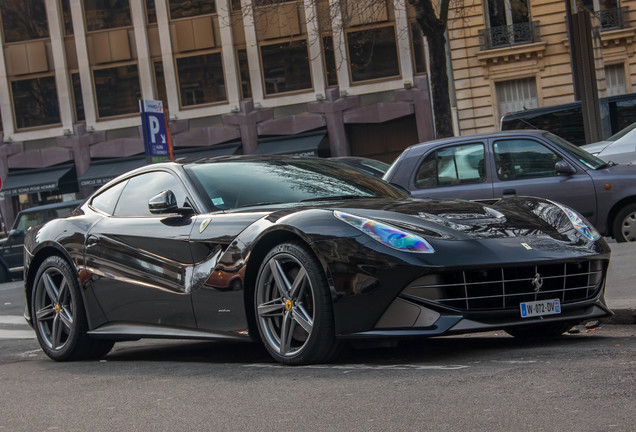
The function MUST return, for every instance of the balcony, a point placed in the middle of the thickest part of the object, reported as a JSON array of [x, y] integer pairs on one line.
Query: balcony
[[507, 36], [613, 19]]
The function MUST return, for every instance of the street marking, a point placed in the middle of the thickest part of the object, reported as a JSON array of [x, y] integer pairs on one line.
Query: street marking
[[12, 319], [363, 367], [17, 334]]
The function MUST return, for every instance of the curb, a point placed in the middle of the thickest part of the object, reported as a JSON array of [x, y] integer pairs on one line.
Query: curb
[[621, 316]]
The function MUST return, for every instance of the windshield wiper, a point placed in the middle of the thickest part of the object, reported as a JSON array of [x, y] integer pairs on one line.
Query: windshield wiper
[[336, 198]]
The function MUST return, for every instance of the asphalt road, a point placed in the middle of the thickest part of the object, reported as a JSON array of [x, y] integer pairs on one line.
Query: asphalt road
[[483, 382]]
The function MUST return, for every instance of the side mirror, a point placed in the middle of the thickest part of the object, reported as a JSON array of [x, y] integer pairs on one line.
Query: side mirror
[[563, 167], [163, 202]]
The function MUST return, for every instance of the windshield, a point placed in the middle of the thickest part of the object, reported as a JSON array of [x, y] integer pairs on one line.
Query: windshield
[[577, 153], [621, 133], [252, 182]]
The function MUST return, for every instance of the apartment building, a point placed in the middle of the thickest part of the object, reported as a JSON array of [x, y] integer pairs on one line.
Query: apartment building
[[323, 77], [511, 55]]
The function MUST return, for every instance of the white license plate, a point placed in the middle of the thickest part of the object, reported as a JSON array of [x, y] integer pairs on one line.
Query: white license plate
[[539, 308]]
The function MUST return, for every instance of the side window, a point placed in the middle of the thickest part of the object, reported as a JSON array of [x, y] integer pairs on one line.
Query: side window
[[107, 200], [134, 199], [462, 164], [523, 158]]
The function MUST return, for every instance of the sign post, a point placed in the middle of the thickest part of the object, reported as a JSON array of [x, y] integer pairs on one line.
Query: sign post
[[156, 132]]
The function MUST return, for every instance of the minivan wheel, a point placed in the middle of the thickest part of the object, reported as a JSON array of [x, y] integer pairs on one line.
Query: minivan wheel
[[624, 229]]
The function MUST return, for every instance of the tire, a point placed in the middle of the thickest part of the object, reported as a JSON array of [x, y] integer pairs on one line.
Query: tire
[[293, 308], [624, 228], [540, 330], [58, 314]]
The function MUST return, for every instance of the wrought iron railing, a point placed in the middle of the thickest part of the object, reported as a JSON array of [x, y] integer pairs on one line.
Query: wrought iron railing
[[516, 34], [612, 19]]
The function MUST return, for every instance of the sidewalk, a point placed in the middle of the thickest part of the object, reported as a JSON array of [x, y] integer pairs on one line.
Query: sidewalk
[[620, 289]]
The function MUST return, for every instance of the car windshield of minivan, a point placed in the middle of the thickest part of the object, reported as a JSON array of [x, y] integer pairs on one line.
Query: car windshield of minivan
[[249, 183], [588, 159]]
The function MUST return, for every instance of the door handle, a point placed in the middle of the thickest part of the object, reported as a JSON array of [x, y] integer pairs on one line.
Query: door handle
[[92, 241], [509, 192]]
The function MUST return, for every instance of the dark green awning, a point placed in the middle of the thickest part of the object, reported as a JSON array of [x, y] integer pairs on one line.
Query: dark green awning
[[59, 179], [307, 145], [102, 172]]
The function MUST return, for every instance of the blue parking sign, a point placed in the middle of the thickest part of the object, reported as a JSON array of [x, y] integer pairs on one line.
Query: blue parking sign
[[156, 133]]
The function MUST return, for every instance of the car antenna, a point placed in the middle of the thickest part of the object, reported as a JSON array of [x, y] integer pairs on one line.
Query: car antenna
[[518, 118]]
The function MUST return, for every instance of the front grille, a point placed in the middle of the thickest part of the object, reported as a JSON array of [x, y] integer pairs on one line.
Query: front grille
[[503, 288]]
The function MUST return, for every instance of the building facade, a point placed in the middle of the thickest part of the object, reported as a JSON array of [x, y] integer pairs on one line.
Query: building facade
[[511, 55], [326, 77]]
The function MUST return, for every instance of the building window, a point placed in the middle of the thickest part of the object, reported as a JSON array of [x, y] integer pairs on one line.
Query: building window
[[190, 8], [615, 79], [373, 54], [516, 95], [117, 90], [151, 12], [23, 20], [160, 82], [35, 102], [66, 17], [77, 97], [330, 61], [201, 79], [106, 14], [286, 67], [508, 23], [419, 49], [244, 67]]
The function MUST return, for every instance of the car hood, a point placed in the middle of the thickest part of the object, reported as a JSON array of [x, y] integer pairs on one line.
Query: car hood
[[597, 147], [457, 219]]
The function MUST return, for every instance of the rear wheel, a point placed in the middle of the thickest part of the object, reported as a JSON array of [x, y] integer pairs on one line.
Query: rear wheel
[[58, 314], [540, 330], [625, 224], [293, 307]]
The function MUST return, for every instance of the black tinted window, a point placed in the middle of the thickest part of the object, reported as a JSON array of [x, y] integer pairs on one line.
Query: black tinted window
[[462, 164], [139, 189], [252, 182], [107, 200]]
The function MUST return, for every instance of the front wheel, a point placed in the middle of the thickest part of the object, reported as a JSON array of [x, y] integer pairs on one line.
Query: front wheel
[[293, 307], [624, 229], [58, 314]]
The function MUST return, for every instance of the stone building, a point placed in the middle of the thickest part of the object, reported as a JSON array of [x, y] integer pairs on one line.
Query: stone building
[[238, 77], [511, 55]]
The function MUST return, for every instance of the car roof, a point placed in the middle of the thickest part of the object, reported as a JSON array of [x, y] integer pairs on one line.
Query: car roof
[[51, 206], [519, 132]]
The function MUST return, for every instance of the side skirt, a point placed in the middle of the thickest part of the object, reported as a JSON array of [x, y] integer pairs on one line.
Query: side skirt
[[133, 331]]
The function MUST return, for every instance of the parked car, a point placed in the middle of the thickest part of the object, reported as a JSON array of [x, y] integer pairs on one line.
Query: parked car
[[368, 165], [619, 148], [301, 254], [518, 163], [12, 247]]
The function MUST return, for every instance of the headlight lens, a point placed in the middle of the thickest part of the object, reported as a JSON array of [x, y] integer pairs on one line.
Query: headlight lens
[[386, 234], [577, 221]]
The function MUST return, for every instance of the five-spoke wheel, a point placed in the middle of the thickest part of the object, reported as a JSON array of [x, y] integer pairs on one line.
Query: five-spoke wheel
[[293, 306], [58, 315]]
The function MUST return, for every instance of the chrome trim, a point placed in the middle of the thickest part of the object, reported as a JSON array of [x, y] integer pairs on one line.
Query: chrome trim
[[16, 269]]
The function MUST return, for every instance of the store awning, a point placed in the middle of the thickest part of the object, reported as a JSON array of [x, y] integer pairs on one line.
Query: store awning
[[308, 145], [102, 172], [59, 179]]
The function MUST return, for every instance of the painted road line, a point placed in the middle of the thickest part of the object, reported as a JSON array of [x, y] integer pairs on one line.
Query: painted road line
[[17, 334], [12, 319]]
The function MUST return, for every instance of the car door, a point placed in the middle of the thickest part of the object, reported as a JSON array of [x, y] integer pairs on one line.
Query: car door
[[454, 171], [140, 263], [526, 167]]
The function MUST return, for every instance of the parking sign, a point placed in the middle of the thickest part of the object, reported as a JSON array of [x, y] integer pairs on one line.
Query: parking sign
[[156, 133]]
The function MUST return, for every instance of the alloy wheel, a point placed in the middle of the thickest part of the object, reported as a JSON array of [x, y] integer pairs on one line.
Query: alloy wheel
[[54, 309]]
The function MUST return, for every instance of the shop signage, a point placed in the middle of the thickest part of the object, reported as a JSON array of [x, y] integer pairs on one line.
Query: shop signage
[[156, 132]]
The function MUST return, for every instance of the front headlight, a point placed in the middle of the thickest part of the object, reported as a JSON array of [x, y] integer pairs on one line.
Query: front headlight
[[386, 234], [577, 221]]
